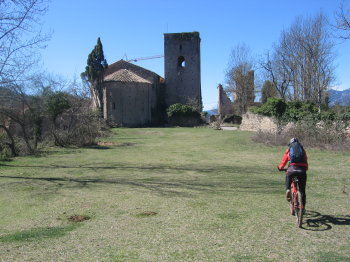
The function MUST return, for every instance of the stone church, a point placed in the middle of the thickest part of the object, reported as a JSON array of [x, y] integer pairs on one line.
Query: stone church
[[134, 96]]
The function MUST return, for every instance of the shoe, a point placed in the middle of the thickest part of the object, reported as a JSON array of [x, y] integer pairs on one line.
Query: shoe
[[288, 195]]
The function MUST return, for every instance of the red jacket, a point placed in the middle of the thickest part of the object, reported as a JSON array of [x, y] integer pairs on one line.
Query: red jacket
[[286, 159]]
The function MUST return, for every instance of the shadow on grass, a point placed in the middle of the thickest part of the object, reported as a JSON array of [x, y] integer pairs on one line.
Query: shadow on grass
[[37, 234], [315, 221], [226, 179], [98, 147]]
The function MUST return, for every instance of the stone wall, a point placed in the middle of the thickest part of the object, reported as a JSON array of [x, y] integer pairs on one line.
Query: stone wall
[[254, 122]]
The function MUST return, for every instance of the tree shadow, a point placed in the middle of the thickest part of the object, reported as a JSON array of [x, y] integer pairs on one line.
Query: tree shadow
[[36, 234], [315, 221], [232, 179], [98, 147]]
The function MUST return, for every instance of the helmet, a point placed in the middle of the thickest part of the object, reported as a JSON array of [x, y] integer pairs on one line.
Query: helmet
[[292, 140]]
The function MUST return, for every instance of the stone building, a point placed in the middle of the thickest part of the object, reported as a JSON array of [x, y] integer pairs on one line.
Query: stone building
[[134, 96]]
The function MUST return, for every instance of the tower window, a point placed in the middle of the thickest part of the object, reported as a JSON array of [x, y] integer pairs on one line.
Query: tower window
[[113, 106], [181, 62]]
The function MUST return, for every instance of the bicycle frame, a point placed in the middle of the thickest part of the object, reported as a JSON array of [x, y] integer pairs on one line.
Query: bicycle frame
[[296, 202]]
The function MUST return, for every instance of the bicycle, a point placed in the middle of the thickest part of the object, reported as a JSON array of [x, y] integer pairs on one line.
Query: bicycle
[[296, 202]]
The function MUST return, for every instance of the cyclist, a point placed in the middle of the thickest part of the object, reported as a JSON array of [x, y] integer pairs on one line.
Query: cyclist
[[297, 166]]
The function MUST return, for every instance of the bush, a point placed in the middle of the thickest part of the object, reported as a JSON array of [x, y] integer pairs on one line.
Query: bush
[[178, 109], [326, 129], [323, 138], [78, 130], [183, 115], [275, 107], [4, 150], [232, 119], [56, 104]]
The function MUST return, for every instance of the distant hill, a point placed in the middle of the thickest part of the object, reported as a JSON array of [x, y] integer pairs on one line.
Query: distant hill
[[212, 111], [339, 97]]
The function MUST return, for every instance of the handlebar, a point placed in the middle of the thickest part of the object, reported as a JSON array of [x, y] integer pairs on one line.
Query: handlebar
[[284, 169]]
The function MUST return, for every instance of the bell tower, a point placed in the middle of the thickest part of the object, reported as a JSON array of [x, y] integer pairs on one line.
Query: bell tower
[[182, 69]]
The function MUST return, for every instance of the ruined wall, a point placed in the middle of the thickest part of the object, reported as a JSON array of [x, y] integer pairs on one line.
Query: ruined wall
[[254, 122], [182, 68], [225, 106]]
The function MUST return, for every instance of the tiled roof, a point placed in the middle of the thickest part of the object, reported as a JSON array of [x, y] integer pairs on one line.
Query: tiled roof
[[137, 70], [124, 75]]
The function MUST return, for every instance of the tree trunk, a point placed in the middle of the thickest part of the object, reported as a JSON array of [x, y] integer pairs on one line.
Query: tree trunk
[[12, 143]]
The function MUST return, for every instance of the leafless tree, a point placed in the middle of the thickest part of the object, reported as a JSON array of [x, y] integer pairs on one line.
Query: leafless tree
[[278, 72], [268, 90], [20, 36], [342, 17], [240, 77], [301, 66]]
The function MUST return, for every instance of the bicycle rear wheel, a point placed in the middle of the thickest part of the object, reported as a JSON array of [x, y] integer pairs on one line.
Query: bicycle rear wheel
[[292, 204], [299, 210]]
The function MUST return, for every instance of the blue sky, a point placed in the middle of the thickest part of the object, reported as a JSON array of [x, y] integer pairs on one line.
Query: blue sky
[[135, 28]]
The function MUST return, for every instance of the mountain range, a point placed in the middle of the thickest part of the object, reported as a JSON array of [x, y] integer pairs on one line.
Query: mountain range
[[339, 97]]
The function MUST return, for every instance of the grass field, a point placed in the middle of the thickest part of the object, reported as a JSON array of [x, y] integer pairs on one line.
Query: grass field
[[171, 194]]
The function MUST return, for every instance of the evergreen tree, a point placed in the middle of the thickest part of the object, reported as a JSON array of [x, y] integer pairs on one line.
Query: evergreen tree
[[94, 71]]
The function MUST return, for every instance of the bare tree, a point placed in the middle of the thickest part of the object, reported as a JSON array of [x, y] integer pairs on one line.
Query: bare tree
[[301, 66], [20, 35], [240, 77], [268, 90], [342, 17], [278, 72]]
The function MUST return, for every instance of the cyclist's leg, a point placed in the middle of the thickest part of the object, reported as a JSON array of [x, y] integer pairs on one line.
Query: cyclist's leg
[[289, 174], [302, 186], [288, 185], [288, 181]]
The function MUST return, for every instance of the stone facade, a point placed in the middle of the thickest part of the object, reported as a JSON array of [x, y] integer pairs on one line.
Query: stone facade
[[182, 69], [131, 95]]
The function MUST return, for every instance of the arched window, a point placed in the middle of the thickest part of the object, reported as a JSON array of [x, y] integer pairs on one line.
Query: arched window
[[181, 62]]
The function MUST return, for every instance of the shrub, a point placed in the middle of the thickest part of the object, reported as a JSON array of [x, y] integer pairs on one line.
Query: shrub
[[78, 130], [56, 104], [275, 107], [183, 115], [182, 110], [326, 129]]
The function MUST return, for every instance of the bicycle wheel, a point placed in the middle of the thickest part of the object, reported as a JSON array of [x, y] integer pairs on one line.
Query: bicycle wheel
[[299, 210], [292, 204]]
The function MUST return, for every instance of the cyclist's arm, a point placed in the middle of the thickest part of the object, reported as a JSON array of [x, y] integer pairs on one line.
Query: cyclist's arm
[[285, 160]]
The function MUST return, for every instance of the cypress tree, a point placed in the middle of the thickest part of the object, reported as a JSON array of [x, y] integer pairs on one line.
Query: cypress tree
[[94, 71]]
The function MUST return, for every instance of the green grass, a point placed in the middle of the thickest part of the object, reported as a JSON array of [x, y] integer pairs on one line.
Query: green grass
[[171, 194]]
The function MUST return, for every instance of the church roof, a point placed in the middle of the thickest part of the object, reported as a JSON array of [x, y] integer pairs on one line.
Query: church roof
[[135, 72], [124, 75]]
